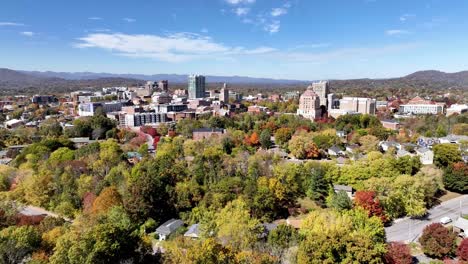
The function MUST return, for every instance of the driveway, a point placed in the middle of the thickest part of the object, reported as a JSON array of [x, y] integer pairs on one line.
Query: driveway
[[408, 230]]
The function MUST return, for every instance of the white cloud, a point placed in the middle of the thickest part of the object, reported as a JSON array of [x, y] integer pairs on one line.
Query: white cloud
[[181, 47], [95, 18], [237, 2], [12, 24], [28, 33], [241, 11], [172, 48], [396, 32], [278, 11], [129, 20], [405, 17], [344, 53], [272, 27], [311, 46]]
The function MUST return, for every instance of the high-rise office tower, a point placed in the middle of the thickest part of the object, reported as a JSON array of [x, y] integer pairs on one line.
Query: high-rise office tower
[[224, 94], [322, 89], [196, 86], [163, 85]]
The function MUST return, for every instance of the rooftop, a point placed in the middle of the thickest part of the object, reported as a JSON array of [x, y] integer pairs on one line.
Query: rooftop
[[169, 226]]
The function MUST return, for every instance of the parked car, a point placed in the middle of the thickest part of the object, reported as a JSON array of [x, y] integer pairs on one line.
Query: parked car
[[445, 220]]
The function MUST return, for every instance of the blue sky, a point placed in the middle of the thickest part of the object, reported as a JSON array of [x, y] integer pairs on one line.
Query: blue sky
[[295, 39]]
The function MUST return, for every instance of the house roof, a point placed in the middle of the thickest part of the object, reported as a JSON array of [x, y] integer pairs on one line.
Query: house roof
[[206, 129], [309, 92], [335, 149], [422, 150], [193, 231], [345, 188], [270, 226], [169, 226], [341, 160], [81, 140], [402, 153], [461, 223]]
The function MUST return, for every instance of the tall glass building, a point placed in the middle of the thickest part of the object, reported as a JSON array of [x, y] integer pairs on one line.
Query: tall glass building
[[196, 86]]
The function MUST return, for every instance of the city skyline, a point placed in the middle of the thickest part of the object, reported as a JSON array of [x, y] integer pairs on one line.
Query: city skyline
[[283, 39]]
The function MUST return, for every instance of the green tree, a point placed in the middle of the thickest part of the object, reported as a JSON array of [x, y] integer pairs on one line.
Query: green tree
[[456, 177], [339, 201], [332, 237], [282, 237], [317, 185], [235, 225], [16, 243], [283, 135], [265, 139], [446, 154], [110, 240]]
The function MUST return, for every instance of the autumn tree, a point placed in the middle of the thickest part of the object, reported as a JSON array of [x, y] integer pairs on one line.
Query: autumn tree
[[368, 143], [302, 146], [462, 250], [398, 253], [234, 225], [207, 251], [438, 241], [283, 135], [112, 239], [108, 198], [253, 139], [446, 154], [333, 237], [456, 177], [369, 202]]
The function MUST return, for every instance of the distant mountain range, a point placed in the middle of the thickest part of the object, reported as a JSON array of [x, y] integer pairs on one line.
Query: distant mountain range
[[175, 78], [33, 81]]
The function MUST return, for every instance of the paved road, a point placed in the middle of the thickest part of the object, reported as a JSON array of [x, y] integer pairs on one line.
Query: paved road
[[408, 230]]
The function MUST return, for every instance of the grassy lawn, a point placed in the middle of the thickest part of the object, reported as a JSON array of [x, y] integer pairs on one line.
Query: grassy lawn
[[308, 204], [449, 196], [416, 249]]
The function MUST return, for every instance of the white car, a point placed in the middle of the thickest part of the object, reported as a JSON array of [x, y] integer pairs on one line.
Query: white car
[[445, 220]]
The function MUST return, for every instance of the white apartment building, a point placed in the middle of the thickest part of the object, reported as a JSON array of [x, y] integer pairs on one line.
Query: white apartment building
[[421, 109]]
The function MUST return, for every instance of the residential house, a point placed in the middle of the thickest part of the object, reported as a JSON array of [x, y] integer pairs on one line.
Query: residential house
[[193, 231], [427, 142], [335, 151], [402, 153], [352, 148], [348, 189], [81, 141], [340, 161], [13, 123], [168, 228], [390, 124], [267, 228], [426, 155], [341, 133], [134, 157], [453, 139], [386, 145], [202, 133], [461, 226]]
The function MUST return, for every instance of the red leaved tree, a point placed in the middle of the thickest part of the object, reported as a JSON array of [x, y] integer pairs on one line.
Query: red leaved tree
[[369, 202], [398, 253], [438, 241], [462, 251]]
